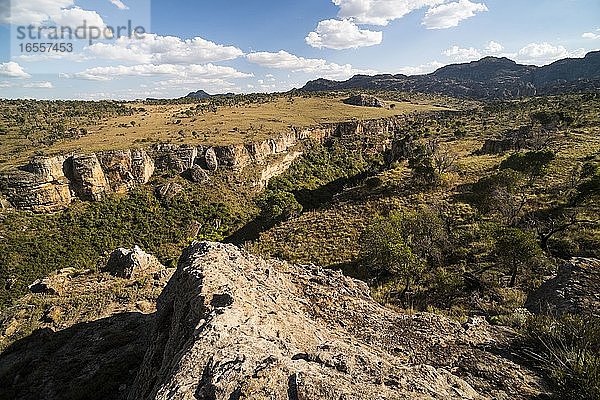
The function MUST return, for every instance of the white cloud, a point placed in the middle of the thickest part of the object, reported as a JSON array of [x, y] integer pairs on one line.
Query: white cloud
[[449, 15], [421, 69], [119, 4], [493, 48], [189, 72], [313, 66], [35, 12], [158, 49], [39, 85], [592, 35], [31, 12], [13, 70], [344, 34], [543, 53], [380, 12], [462, 54], [75, 17]]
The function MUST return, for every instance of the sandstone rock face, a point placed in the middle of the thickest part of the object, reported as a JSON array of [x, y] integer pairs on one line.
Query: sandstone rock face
[[39, 186], [198, 175], [28, 191], [126, 169], [49, 184], [277, 168], [178, 158], [230, 325], [575, 289], [88, 179], [364, 100], [125, 263], [168, 190]]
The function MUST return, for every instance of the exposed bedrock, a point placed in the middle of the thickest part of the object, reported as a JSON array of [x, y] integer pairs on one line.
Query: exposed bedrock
[[48, 184], [231, 325]]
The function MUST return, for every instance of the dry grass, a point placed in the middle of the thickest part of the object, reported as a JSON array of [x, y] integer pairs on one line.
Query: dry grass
[[183, 124]]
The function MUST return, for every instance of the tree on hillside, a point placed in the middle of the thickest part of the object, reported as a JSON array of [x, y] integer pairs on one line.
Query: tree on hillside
[[532, 164], [515, 251], [385, 251]]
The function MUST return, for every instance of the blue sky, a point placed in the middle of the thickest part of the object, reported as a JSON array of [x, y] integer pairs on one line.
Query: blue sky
[[274, 45]]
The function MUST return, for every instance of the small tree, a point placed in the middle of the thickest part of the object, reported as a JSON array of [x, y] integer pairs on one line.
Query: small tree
[[422, 164], [515, 250], [383, 248], [503, 194]]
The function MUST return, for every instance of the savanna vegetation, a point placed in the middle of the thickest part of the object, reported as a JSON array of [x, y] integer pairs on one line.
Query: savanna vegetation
[[472, 211]]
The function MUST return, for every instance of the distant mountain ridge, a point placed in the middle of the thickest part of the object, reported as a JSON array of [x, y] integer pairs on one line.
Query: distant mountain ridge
[[489, 78], [201, 94]]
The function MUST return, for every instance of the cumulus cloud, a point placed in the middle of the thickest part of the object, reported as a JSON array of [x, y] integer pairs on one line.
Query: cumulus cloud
[[344, 34], [31, 12], [190, 72], [592, 35], [318, 67], [39, 85], [544, 53], [421, 69], [450, 15], [462, 54], [62, 12], [380, 12], [493, 48], [13, 70], [158, 49]]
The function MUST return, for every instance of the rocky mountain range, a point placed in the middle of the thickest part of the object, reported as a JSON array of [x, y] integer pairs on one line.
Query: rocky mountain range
[[489, 78]]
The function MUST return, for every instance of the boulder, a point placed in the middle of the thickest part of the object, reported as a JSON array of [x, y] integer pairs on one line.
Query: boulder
[[129, 263], [197, 175], [364, 100], [168, 190], [210, 158], [52, 287], [575, 289], [230, 325]]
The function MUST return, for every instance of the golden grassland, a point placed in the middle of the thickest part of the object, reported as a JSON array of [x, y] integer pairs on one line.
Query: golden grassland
[[188, 124]]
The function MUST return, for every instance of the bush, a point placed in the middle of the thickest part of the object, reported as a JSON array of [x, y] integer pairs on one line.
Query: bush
[[278, 205], [531, 163]]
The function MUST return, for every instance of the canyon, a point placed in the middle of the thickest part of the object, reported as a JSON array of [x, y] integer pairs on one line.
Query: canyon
[[50, 184]]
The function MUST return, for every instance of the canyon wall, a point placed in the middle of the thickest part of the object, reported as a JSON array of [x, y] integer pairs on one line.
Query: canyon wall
[[49, 184]]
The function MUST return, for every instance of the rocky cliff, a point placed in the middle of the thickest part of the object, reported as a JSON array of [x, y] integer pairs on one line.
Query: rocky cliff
[[48, 184], [230, 325]]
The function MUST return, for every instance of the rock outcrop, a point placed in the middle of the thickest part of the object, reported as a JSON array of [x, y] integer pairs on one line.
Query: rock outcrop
[[230, 325], [575, 289], [129, 263], [48, 184], [87, 177], [363, 100]]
